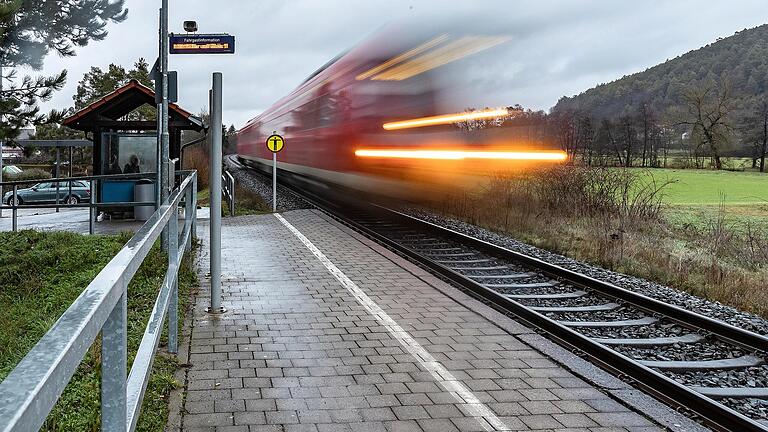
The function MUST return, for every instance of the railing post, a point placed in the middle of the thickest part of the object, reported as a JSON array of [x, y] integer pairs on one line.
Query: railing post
[[194, 206], [173, 304], [114, 367], [15, 207], [92, 207], [189, 208], [231, 195]]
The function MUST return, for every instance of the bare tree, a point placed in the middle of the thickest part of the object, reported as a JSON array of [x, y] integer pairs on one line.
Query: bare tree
[[707, 109], [756, 131], [647, 121]]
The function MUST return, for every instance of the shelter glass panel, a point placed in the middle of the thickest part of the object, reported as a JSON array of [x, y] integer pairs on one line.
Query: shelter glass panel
[[124, 153]]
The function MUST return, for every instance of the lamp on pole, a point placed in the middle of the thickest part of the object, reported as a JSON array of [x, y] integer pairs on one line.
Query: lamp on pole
[[163, 138]]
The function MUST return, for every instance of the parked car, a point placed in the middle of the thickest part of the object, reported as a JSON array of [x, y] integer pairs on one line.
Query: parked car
[[45, 192]]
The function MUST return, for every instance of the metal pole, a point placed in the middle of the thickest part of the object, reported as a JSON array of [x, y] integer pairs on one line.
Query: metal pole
[[92, 207], [2, 142], [215, 197], [173, 304], [274, 182], [194, 206], [114, 367], [58, 174], [164, 137], [15, 206], [189, 208], [159, 127], [231, 195]]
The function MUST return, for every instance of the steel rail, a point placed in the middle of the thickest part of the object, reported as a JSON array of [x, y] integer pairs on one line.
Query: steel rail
[[717, 415], [742, 336]]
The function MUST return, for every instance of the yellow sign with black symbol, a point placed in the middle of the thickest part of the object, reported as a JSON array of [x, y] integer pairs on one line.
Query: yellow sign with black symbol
[[275, 143]]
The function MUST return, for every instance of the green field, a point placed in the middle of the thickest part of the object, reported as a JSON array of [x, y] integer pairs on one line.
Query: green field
[[696, 196], [697, 187]]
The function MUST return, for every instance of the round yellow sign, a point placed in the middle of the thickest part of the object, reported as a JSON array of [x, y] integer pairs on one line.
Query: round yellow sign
[[275, 143]]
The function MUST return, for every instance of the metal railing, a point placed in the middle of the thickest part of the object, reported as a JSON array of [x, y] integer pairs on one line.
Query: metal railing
[[92, 204], [228, 190], [31, 390]]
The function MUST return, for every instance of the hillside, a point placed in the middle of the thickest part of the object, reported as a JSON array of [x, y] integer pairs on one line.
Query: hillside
[[743, 58]]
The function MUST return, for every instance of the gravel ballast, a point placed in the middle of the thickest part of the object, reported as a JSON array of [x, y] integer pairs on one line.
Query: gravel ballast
[[259, 185], [651, 289]]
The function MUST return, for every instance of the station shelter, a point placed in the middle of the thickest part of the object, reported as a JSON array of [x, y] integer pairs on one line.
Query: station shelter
[[123, 143]]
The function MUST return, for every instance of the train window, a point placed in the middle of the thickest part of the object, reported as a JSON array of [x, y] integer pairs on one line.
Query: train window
[[327, 110]]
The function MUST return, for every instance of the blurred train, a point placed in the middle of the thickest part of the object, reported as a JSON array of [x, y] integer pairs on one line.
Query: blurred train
[[389, 116]]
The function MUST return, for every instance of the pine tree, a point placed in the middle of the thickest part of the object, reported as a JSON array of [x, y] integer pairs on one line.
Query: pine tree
[[29, 30]]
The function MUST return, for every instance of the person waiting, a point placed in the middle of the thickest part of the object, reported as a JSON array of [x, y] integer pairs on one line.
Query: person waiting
[[114, 166], [132, 167]]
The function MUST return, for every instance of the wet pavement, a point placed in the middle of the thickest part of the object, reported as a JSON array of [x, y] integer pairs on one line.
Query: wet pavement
[[72, 219], [326, 331]]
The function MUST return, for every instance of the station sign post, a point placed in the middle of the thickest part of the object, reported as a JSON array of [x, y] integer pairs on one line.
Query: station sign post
[[275, 143], [193, 43], [202, 44]]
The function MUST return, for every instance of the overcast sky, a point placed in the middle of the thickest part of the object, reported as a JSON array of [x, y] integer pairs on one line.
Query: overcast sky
[[569, 45]]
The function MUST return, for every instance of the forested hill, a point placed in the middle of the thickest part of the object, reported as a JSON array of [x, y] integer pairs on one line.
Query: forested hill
[[742, 58]]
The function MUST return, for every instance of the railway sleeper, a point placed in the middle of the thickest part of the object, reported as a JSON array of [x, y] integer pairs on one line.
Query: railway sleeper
[[468, 261], [480, 269], [523, 285], [648, 342], [442, 249], [569, 295], [592, 308], [430, 252], [704, 365], [618, 323], [733, 392], [506, 276]]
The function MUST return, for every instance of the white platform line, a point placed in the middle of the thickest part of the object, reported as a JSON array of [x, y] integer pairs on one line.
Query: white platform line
[[463, 395]]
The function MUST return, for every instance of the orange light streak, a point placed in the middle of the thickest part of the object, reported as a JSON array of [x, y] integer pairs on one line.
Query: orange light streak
[[445, 119], [402, 57], [440, 56], [462, 154]]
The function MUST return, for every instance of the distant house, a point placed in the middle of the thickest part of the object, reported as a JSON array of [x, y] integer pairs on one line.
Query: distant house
[[12, 152], [17, 152], [26, 133]]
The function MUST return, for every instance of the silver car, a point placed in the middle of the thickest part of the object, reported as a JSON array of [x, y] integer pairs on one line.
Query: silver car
[[45, 192]]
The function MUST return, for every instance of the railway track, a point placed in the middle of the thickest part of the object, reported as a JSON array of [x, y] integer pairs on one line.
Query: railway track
[[677, 355]]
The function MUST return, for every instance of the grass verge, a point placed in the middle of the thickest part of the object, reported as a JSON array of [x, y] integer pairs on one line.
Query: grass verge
[[246, 202], [41, 273]]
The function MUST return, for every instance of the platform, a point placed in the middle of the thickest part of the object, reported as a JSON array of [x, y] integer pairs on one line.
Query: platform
[[326, 331], [68, 219]]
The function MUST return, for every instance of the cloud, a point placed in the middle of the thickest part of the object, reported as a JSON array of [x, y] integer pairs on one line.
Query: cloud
[[558, 48]]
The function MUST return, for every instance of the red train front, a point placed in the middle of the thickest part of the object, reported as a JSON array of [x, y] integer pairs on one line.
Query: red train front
[[385, 117]]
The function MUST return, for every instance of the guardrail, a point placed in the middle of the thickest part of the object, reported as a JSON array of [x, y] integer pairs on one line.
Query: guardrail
[[228, 190], [92, 204], [31, 390]]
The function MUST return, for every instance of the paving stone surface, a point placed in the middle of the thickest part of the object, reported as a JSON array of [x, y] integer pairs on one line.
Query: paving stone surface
[[296, 351]]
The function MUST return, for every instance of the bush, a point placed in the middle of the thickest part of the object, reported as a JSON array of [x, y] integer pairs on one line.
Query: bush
[[30, 174], [196, 158]]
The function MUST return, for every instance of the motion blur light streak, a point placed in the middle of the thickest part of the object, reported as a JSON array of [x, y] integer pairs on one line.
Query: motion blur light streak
[[443, 55], [402, 57], [445, 119], [460, 154], [362, 120]]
